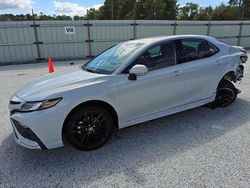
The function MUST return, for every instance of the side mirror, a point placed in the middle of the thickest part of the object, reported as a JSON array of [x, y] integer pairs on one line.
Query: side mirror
[[137, 70]]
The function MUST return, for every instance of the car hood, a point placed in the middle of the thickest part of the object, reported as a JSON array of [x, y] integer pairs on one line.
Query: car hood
[[55, 83]]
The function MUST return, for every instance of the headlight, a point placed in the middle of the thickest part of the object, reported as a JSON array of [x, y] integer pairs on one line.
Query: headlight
[[38, 105]]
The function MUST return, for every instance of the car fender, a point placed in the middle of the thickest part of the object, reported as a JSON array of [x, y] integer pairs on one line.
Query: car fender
[[107, 93]]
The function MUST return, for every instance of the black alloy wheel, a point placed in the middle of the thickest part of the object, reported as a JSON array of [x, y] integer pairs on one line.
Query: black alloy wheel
[[225, 97], [226, 94], [89, 128]]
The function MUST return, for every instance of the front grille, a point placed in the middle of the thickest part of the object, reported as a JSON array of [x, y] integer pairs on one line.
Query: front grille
[[14, 102]]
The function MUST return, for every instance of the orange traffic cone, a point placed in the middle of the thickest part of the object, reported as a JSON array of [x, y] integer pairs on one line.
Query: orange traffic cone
[[50, 64]]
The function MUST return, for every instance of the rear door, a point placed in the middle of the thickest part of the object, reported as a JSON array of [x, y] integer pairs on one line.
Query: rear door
[[198, 58]]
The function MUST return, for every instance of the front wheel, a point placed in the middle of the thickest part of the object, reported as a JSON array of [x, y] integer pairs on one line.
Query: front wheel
[[226, 94], [89, 128]]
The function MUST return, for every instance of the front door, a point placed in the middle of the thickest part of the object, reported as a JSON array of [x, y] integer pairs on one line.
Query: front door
[[160, 89]]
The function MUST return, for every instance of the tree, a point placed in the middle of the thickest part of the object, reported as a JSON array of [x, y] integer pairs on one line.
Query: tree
[[224, 12], [44, 17], [108, 9], [79, 17], [93, 14], [204, 13], [189, 11], [30, 17], [235, 3], [243, 7], [63, 17], [156, 9], [151, 10], [128, 12], [141, 9], [246, 7]]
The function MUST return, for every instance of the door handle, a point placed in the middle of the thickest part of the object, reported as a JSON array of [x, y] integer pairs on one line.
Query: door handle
[[176, 73]]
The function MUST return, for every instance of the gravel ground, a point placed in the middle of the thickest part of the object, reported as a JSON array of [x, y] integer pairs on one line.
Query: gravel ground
[[195, 148]]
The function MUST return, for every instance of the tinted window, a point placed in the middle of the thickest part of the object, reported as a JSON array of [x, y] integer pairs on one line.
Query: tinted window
[[193, 49], [154, 52], [157, 57], [212, 49]]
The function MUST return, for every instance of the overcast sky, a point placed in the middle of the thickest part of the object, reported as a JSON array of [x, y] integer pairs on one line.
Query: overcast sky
[[69, 7]]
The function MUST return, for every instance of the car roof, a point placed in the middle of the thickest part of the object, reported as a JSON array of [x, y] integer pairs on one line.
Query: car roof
[[151, 41], [158, 39]]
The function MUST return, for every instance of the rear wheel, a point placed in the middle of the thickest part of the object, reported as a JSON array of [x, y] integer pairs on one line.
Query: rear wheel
[[89, 128], [226, 94]]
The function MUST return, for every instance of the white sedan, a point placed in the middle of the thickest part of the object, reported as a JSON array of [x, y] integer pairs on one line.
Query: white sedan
[[130, 83]]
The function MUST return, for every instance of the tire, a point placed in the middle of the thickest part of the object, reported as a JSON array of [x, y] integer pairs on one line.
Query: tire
[[226, 94], [89, 128]]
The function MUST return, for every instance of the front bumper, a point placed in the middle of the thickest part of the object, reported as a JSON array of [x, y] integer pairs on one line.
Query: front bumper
[[26, 137], [39, 129]]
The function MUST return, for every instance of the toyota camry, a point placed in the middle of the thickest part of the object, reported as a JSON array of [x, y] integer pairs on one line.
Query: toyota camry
[[130, 83]]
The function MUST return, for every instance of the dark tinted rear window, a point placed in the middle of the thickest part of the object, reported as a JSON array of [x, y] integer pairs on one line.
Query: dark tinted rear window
[[193, 49]]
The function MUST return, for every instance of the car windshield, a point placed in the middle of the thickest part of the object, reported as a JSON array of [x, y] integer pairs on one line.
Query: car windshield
[[111, 59]]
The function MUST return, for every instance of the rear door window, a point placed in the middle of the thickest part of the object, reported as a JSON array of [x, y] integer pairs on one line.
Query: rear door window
[[193, 49]]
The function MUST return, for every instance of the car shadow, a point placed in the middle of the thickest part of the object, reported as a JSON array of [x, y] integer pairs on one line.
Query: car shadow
[[130, 149]]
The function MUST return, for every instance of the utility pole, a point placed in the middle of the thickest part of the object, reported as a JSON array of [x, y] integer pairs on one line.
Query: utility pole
[[112, 9], [241, 25], [175, 19], [134, 11], [88, 32], [134, 24], [36, 36]]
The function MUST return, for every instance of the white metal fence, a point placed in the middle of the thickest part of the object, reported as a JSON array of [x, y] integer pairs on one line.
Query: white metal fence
[[31, 41]]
